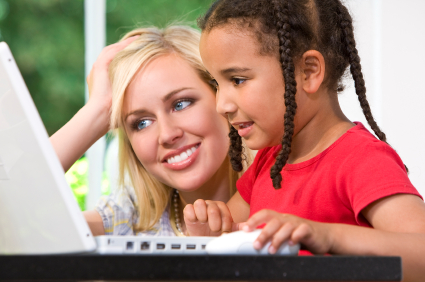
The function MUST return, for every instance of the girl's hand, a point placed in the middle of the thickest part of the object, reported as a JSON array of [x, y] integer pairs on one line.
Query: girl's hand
[[208, 218], [286, 227], [98, 79]]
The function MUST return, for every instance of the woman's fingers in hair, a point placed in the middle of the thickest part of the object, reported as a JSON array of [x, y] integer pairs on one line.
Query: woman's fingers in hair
[[110, 51], [107, 55]]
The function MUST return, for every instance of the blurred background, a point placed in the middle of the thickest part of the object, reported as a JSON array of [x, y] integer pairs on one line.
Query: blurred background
[[47, 40]]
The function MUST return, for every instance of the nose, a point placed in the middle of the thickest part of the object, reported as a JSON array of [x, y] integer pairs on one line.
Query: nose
[[225, 105], [169, 132]]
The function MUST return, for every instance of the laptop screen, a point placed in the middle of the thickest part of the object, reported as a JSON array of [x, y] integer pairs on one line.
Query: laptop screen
[[38, 213]]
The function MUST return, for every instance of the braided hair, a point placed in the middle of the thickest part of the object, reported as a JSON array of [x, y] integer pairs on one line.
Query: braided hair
[[289, 28]]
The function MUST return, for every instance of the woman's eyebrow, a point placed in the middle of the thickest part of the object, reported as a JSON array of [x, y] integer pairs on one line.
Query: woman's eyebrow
[[136, 112], [165, 99], [174, 92], [234, 70]]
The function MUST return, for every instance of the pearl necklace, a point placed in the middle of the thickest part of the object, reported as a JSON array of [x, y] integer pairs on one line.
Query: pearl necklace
[[176, 211]]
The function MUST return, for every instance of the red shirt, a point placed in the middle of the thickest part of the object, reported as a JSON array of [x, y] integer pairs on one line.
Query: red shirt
[[332, 187]]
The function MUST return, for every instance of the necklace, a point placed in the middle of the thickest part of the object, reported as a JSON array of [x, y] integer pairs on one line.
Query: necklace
[[176, 211]]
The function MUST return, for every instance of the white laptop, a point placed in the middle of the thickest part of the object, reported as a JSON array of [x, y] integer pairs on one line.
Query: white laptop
[[38, 212]]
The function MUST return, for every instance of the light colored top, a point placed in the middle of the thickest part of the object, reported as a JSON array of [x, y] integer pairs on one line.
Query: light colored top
[[119, 214]]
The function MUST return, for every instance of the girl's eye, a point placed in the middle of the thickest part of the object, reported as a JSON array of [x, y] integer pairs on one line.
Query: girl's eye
[[214, 83], [181, 105], [141, 124], [238, 81]]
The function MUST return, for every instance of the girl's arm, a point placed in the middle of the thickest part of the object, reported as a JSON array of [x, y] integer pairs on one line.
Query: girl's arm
[[398, 221], [94, 220], [92, 121], [239, 209], [399, 230]]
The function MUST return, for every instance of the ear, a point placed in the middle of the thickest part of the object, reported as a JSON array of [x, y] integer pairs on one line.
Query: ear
[[312, 66]]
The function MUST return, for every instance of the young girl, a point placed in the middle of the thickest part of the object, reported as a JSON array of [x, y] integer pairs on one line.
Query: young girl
[[173, 144], [318, 179]]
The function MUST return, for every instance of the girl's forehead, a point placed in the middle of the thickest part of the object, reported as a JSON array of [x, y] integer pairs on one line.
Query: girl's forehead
[[249, 30], [236, 36], [222, 49]]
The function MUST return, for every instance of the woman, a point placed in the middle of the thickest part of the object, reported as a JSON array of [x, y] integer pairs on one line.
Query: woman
[[173, 144]]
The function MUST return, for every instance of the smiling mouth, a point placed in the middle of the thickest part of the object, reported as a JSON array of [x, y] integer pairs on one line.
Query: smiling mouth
[[182, 156], [244, 125]]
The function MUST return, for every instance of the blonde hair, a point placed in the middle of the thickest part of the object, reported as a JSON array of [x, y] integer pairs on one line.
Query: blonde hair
[[152, 195]]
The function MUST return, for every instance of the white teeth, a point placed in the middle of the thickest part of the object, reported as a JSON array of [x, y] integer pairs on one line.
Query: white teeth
[[244, 125], [183, 156]]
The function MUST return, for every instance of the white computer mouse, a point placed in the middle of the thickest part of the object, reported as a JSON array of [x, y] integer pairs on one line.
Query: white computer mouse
[[241, 243]]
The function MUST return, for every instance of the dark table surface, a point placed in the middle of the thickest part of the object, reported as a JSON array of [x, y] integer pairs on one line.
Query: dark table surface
[[200, 267]]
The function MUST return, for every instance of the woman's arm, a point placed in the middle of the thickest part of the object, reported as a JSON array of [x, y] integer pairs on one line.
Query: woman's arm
[[89, 124], [92, 121]]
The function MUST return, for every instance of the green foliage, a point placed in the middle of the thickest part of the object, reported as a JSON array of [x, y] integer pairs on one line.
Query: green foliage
[[47, 40], [125, 15], [76, 177]]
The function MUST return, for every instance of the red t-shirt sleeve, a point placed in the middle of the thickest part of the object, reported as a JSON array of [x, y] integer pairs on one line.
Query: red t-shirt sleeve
[[247, 180], [372, 173]]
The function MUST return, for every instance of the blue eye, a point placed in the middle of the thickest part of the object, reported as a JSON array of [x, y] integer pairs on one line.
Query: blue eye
[[181, 105], [143, 124], [238, 81]]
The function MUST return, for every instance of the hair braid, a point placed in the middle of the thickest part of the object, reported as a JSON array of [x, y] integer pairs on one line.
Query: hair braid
[[356, 69], [284, 35], [235, 149]]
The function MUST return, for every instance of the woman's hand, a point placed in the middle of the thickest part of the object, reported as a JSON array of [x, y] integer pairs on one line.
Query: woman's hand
[[208, 218], [98, 79], [282, 228]]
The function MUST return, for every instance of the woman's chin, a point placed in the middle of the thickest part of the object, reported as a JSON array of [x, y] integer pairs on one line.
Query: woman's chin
[[185, 184], [188, 186]]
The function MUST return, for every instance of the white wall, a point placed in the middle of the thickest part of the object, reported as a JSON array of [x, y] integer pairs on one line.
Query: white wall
[[390, 36]]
